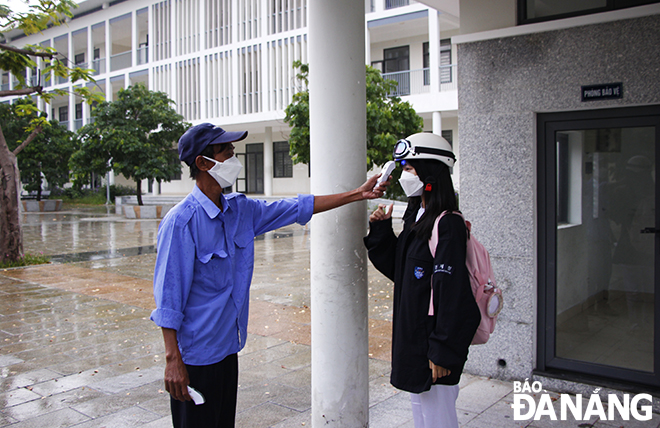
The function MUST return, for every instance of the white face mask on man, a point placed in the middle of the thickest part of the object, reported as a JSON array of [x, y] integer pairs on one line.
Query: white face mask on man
[[411, 184], [225, 173]]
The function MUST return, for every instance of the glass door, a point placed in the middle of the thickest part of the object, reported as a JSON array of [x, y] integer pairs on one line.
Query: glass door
[[599, 289]]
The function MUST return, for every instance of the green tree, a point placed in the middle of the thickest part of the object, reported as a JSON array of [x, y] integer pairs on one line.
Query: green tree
[[388, 119], [40, 16], [136, 134], [47, 156]]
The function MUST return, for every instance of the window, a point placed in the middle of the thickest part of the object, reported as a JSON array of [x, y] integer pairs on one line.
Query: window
[[79, 58], [63, 113], [426, 63], [79, 111], [174, 159], [283, 162], [391, 4], [530, 11], [396, 66], [447, 134], [445, 61]]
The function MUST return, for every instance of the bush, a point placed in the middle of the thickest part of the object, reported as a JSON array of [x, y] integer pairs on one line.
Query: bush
[[89, 196], [119, 190]]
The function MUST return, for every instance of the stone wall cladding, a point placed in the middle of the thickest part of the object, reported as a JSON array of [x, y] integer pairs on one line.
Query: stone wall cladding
[[503, 83]]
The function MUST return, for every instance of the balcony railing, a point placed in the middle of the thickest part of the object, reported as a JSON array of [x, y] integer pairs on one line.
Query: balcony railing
[[120, 61], [414, 82], [4, 87], [77, 124]]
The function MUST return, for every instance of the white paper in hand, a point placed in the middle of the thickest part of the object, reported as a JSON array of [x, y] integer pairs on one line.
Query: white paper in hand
[[197, 397]]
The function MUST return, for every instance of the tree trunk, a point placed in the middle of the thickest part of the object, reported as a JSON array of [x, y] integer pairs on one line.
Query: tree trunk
[[11, 239], [139, 191]]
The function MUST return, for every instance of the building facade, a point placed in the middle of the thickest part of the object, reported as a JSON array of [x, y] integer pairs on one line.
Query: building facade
[[229, 62], [560, 128]]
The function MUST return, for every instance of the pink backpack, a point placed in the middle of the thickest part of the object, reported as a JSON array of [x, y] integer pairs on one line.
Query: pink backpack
[[487, 295]]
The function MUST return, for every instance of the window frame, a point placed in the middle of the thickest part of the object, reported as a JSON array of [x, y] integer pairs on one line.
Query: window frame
[[283, 169], [611, 5]]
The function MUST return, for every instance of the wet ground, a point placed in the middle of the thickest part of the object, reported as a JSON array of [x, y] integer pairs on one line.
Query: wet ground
[[77, 347]]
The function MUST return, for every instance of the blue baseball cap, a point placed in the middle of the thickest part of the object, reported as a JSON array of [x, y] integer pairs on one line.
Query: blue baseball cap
[[197, 138]]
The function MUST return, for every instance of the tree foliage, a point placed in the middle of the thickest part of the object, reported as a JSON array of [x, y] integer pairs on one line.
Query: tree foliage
[[17, 60], [388, 118], [136, 134], [46, 156]]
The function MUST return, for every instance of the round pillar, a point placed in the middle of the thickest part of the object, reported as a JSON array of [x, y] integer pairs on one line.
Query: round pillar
[[437, 123], [340, 365]]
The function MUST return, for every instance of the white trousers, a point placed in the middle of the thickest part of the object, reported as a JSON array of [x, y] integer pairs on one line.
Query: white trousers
[[435, 408]]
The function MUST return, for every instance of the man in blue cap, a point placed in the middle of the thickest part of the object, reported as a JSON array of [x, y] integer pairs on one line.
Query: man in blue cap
[[204, 270]]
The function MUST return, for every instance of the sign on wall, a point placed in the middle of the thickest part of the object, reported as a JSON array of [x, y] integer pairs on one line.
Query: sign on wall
[[607, 91]]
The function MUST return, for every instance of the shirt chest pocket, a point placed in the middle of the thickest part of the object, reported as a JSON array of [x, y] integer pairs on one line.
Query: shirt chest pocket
[[213, 269], [244, 251]]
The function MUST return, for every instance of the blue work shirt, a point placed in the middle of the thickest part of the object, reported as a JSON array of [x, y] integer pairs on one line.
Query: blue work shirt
[[204, 269]]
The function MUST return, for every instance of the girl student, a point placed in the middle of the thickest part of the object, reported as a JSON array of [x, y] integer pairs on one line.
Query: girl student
[[431, 331]]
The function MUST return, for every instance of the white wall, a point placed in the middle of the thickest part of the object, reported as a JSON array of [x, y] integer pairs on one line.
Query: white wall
[[480, 15]]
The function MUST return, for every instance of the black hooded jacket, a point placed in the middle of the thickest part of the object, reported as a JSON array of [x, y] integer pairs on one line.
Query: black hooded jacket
[[445, 337]]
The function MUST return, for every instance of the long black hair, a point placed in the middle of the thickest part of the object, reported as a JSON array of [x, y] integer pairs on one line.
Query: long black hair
[[439, 194]]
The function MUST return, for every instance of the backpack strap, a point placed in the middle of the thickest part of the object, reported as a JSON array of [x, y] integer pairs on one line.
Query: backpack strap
[[433, 244]]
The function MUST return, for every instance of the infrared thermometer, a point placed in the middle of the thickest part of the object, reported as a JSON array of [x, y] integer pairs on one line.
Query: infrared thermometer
[[385, 172]]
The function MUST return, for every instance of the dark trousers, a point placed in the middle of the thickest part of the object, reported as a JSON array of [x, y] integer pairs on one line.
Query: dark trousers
[[218, 383]]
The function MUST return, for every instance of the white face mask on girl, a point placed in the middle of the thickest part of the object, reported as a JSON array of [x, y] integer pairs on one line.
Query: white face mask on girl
[[411, 184], [225, 173]]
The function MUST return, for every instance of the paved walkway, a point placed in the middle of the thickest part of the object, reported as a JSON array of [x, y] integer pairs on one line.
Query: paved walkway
[[77, 347]]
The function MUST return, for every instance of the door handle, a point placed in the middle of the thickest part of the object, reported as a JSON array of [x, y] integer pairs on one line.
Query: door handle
[[649, 230]]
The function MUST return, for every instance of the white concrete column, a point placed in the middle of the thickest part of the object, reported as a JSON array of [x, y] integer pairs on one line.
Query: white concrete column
[[108, 45], [367, 45], [340, 366], [434, 51], [87, 109], [150, 48], [268, 162], [72, 109], [236, 53], [71, 86], [134, 39], [437, 123]]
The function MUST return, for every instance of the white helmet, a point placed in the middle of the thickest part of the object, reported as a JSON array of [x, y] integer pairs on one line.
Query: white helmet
[[424, 145]]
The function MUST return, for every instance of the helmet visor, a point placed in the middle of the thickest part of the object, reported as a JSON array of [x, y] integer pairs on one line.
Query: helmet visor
[[401, 149]]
